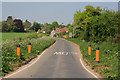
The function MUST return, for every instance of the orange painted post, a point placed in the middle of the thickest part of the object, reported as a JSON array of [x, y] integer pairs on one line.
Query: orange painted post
[[89, 49], [97, 55], [29, 48], [18, 50]]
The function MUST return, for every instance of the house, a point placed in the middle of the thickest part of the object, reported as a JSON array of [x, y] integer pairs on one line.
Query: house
[[64, 29], [58, 30]]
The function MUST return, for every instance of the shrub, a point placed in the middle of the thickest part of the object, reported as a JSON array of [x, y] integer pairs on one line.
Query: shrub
[[9, 56]]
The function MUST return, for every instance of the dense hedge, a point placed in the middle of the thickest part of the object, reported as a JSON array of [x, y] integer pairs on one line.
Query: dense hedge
[[96, 24]]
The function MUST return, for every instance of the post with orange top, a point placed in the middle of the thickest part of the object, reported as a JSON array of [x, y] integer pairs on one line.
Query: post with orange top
[[97, 55], [89, 49], [29, 48], [18, 50]]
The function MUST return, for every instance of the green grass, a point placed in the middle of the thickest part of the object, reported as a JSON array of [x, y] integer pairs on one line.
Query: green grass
[[10, 60], [108, 66], [14, 36]]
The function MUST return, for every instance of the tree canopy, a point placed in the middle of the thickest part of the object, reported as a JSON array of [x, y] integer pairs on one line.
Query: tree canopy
[[96, 24]]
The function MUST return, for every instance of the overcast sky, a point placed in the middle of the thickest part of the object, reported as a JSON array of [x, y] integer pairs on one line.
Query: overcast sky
[[43, 12]]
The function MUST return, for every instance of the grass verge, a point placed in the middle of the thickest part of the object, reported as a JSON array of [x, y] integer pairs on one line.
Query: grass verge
[[10, 60], [20, 36], [108, 66]]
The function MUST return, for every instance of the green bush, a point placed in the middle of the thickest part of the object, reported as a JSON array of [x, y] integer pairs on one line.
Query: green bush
[[9, 56], [108, 56]]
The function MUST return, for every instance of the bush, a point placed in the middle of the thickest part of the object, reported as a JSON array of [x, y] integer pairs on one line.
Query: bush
[[9, 56]]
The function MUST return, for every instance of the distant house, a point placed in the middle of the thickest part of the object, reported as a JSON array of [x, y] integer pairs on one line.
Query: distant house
[[65, 29], [58, 30]]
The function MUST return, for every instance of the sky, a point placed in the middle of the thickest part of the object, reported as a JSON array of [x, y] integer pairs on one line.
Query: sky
[[59, 0], [47, 12]]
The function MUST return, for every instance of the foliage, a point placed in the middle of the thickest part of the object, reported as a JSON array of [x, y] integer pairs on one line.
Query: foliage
[[19, 24], [9, 20], [19, 36], [10, 59], [27, 24], [12, 26], [108, 66], [96, 24], [55, 24], [47, 28], [36, 26]]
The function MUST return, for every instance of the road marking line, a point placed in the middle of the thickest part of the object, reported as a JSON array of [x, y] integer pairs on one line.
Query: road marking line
[[67, 53], [26, 66], [88, 70], [82, 62]]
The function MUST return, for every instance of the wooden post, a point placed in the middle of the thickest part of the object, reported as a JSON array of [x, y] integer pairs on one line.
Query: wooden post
[[18, 50]]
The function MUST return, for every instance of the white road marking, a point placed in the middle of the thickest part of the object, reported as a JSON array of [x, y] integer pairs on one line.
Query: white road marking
[[62, 53], [65, 53], [88, 70], [55, 53], [26, 66], [38, 59], [83, 64]]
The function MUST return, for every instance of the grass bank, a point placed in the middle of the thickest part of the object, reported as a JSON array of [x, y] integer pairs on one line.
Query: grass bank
[[20, 36], [108, 66], [10, 60]]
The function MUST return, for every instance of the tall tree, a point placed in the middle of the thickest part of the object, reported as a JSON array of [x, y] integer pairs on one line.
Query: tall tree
[[96, 24], [19, 25], [36, 26], [27, 24], [55, 24], [9, 20]]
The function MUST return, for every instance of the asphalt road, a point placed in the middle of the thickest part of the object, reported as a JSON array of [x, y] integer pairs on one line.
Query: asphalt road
[[59, 61]]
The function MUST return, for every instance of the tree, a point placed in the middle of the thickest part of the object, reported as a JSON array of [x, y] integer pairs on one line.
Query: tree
[[19, 24], [27, 24], [68, 25], [4, 26], [47, 28], [96, 24], [36, 26], [9, 20], [55, 24]]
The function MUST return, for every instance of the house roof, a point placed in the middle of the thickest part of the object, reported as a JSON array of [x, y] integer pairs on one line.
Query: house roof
[[64, 29], [58, 30]]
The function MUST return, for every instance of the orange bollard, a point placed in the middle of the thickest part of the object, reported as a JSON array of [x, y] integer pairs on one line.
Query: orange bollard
[[97, 55], [89, 49], [29, 48], [18, 50]]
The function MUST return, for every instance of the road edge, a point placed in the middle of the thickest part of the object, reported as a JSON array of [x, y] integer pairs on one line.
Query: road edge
[[85, 66], [28, 64]]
